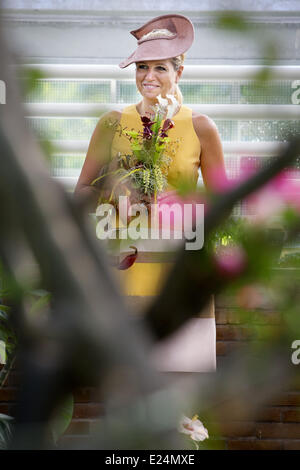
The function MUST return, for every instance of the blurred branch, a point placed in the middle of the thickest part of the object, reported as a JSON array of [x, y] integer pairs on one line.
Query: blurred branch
[[249, 377], [193, 279], [89, 335], [90, 338]]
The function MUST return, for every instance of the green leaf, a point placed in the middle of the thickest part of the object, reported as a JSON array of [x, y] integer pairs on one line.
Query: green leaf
[[5, 308], [2, 352], [30, 78], [39, 292], [40, 303], [136, 147], [3, 335], [5, 430], [233, 21], [3, 315], [159, 147], [133, 134], [62, 418]]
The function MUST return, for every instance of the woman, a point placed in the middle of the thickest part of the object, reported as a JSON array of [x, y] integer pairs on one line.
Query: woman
[[159, 57]]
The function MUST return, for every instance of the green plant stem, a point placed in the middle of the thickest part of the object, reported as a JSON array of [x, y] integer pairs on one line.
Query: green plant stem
[[121, 179], [156, 127], [196, 445], [6, 370], [106, 174]]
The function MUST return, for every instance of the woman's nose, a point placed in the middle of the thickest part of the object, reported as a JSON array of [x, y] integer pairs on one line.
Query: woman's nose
[[150, 74]]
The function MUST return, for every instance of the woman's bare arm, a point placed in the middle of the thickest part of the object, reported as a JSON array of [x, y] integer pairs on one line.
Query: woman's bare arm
[[212, 162], [97, 156]]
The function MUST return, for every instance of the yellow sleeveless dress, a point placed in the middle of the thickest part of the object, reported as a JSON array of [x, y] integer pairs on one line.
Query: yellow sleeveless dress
[[192, 348]]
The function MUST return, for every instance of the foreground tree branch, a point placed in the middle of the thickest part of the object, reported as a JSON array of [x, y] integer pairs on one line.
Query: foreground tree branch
[[89, 334], [90, 338], [193, 279]]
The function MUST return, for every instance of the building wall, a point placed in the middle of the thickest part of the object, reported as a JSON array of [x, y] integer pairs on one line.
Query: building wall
[[275, 426], [98, 31]]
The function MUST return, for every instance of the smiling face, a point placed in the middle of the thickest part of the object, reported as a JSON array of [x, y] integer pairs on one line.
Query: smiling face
[[155, 78]]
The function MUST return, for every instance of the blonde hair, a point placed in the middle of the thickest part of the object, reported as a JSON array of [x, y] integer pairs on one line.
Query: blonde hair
[[177, 62]]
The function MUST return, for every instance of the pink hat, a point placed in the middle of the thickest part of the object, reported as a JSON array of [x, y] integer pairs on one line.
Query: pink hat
[[161, 46]]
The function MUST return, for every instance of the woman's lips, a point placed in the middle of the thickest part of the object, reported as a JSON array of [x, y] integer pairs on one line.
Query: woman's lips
[[149, 87]]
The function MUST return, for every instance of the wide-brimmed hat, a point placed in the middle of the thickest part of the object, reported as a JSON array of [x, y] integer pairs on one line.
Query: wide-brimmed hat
[[162, 46]]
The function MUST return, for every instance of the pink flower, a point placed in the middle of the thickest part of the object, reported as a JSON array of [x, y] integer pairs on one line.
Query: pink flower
[[219, 182], [282, 191], [288, 189], [275, 196], [231, 260], [193, 428]]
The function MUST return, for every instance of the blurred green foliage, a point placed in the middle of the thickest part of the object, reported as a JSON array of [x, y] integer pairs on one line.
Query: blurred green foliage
[[6, 423], [37, 302]]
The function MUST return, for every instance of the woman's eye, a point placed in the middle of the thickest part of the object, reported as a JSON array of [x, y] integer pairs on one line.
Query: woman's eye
[[144, 67]]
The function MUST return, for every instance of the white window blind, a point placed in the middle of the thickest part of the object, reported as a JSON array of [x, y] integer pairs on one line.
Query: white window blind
[[254, 120]]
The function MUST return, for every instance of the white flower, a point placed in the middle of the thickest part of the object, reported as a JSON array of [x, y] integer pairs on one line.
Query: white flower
[[161, 107], [172, 108], [164, 108], [163, 102], [194, 428]]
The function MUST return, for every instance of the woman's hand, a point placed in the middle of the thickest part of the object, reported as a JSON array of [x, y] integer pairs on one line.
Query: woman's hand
[[138, 197]]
